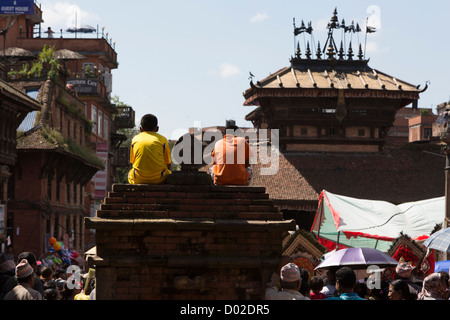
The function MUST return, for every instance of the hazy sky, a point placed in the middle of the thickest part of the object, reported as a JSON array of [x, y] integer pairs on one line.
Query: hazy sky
[[188, 61]]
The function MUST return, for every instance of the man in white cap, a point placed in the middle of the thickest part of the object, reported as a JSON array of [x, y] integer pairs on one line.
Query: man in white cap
[[403, 271], [25, 278], [290, 282]]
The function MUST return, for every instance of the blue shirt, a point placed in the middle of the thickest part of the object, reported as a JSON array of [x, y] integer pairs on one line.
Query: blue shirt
[[346, 296]]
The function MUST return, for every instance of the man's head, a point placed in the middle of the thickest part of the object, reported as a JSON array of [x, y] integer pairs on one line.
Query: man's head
[[290, 277], [149, 122], [30, 257], [345, 280], [403, 270]]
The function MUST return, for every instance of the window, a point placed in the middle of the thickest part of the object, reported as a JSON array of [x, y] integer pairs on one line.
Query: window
[[75, 191], [67, 193], [427, 133], [58, 192], [331, 131], [100, 123], [94, 119], [49, 187], [106, 128], [304, 131], [361, 132]]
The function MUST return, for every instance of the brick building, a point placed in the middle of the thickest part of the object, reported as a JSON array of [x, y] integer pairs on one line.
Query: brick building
[[14, 107], [66, 151]]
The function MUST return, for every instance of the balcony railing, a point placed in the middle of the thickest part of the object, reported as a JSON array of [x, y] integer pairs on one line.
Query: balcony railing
[[121, 157], [125, 118]]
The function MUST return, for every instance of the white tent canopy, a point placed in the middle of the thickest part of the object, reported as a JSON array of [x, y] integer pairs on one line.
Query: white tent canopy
[[372, 223]]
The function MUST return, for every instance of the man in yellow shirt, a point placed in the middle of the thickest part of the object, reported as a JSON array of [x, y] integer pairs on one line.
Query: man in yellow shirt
[[149, 154]]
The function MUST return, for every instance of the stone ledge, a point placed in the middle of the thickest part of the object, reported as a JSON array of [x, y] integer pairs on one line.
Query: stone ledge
[[184, 261], [189, 224], [184, 188]]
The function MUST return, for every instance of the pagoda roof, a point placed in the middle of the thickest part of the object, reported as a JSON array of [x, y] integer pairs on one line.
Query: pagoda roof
[[307, 77]]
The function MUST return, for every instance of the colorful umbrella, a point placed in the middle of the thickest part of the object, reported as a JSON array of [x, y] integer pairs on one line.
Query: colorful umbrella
[[442, 266], [439, 240], [358, 258]]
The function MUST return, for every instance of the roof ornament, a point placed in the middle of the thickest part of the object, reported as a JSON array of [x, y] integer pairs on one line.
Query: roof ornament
[[302, 30], [330, 49], [319, 52], [333, 24]]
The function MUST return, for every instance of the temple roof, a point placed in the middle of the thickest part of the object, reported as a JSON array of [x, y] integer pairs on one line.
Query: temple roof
[[306, 77], [398, 175]]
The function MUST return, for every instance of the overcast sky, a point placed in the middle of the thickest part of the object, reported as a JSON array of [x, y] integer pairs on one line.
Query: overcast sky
[[188, 62]]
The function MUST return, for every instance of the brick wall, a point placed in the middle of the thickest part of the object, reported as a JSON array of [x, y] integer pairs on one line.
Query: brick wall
[[186, 242]]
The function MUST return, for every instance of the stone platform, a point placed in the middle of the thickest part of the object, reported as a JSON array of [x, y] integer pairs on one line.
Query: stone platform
[[176, 241]]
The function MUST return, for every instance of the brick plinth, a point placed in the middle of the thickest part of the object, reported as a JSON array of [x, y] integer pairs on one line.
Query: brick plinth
[[177, 241]]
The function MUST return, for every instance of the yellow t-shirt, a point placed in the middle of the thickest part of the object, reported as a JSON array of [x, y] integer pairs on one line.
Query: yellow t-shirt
[[150, 156]]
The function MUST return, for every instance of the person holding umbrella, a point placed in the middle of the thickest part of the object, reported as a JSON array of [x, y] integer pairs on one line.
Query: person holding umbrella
[[345, 284]]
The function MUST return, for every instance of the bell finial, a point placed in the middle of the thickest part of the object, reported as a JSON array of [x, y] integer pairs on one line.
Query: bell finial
[[360, 52], [334, 19], [350, 52], [308, 51], [330, 51], [319, 51], [298, 52], [341, 52]]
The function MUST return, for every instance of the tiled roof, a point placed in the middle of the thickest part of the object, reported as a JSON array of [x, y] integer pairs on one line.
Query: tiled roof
[[39, 140], [355, 77], [397, 175]]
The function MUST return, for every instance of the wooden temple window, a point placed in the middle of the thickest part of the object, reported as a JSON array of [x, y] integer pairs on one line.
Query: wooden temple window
[[361, 132], [67, 193], [49, 187], [75, 193], [58, 190], [331, 131]]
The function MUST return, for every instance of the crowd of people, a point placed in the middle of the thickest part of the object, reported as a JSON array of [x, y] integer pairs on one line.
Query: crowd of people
[[26, 278], [290, 282]]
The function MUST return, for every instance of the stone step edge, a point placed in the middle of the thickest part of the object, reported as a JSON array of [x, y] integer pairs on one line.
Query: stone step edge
[[190, 224], [182, 261], [190, 188]]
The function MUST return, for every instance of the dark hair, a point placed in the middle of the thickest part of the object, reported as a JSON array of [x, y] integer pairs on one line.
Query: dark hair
[[316, 283], [29, 256], [290, 284], [46, 272], [445, 276], [232, 127], [25, 279], [346, 277], [50, 294], [149, 122], [402, 286]]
